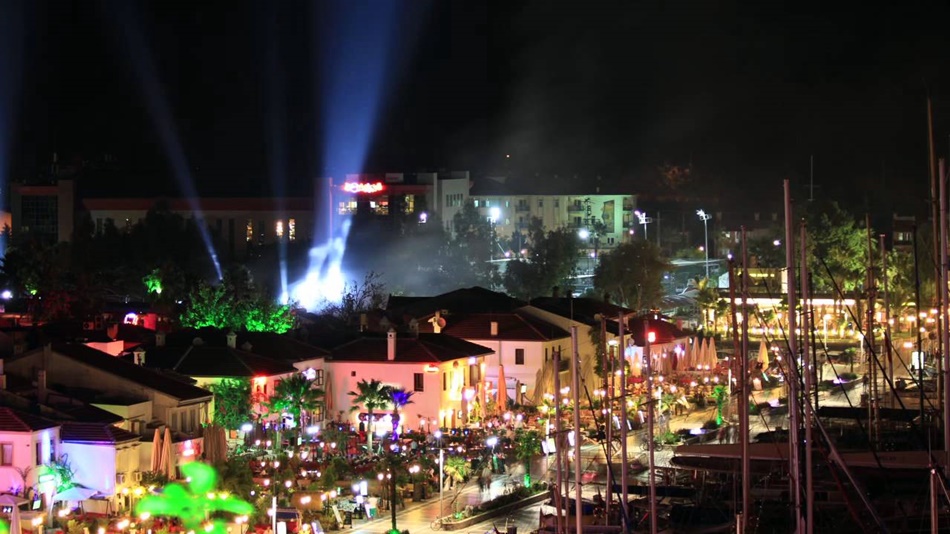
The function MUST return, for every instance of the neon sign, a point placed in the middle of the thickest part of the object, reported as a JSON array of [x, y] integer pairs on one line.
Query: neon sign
[[363, 187]]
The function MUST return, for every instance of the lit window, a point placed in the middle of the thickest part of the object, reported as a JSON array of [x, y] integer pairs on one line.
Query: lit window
[[279, 228], [249, 231], [476, 203], [410, 203], [291, 229]]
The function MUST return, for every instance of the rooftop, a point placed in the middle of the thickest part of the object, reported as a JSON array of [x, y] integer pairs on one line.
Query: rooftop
[[424, 348], [15, 421], [95, 433], [131, 372], [513, 326]]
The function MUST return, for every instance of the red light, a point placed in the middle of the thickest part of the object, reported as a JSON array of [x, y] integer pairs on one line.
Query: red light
[[362, 187], [651, 336]]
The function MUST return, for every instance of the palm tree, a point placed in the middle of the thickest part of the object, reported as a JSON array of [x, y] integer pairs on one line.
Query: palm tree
[[399, 398], [295, 395], [372, 395], [457, 470]]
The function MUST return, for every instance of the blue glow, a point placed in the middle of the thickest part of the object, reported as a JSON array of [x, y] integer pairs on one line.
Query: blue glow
[[11, 58], [355, 44], [161, 115], [274, 126]]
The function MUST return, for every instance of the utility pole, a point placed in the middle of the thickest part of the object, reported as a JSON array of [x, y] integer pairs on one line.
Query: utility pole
[[794, 470]]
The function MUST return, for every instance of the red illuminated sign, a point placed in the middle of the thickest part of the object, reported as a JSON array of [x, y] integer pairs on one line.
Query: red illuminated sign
[[363, 187]]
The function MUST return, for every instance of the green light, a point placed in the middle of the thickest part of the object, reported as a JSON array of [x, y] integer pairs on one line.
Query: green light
[[194, 503], [153, 282]]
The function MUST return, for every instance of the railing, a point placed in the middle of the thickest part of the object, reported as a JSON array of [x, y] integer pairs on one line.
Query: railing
[[575, 207]]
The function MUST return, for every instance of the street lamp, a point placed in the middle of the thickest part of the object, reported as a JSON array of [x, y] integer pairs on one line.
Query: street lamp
[[644, 220], [705, 217]]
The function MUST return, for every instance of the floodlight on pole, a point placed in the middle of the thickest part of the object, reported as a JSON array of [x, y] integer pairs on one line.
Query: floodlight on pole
[[644, 220], [705, 217]]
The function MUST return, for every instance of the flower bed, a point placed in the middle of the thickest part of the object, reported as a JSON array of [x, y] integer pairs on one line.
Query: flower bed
[[498, 506]]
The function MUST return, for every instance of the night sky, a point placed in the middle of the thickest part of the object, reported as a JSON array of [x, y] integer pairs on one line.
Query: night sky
[[744, 92]]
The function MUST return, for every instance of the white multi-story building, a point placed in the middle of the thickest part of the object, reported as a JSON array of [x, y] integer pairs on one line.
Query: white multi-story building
[[602, 220]]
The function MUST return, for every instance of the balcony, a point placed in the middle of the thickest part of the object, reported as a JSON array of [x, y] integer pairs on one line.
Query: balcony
[[575, 207], [521, 208]]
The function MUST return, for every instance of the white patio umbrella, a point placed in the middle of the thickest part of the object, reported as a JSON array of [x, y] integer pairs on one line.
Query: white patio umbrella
[[156, 451], [700, 358], [75, 493], [711, 354], [168, 455], [502, 401], [14, 502]]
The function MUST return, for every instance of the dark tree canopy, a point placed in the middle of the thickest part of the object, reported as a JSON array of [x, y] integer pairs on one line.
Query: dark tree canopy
[[633, 274], [550, 261]]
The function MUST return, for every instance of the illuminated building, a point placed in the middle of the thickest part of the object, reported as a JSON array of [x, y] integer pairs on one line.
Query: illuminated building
[[46, 212], [605, 220]]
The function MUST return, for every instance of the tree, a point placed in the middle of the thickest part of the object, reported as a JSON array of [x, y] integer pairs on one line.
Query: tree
[[457, 470], [358, 298], [372, 396], [468, 255], [295, 395], [527, 446], [232, 402], [836, 240], [633, 272], [399, 398], [236, 304], [708, 299], [551, 260]]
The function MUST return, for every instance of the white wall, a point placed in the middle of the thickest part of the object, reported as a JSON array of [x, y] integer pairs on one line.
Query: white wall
[[24, 459], [400, 375], [93, 464]]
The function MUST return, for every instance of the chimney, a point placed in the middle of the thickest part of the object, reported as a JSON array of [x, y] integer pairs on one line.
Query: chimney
[[41, 385], [138, 356], [232, 339], [159, 339], [556, 292], [437, 322], [391, 344], [494, 328], [364, 322]]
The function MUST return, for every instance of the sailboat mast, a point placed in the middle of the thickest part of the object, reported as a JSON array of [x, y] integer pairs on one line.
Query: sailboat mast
[[575, 397], [651, 416], [935, 218], [743, 383], [806, 397], [559, 442], [943, 300], [794, 468], [624, 421], [887, 320], [873, 413]]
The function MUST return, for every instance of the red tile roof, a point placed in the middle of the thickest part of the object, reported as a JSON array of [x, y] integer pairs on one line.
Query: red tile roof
[[511, 327], [14, 421], [131, 372], [95, 433], [425, 348]]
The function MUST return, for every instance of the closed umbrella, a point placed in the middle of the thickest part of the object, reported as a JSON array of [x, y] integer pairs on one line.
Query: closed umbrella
[[502, 390], [168, 456], [636, 367], [713, 358], [688, 355], [156, 451], [763, 354]]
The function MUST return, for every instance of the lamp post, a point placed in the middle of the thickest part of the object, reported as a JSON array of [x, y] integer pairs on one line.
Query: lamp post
[[705, 217], [644, 220], [441, 471]]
